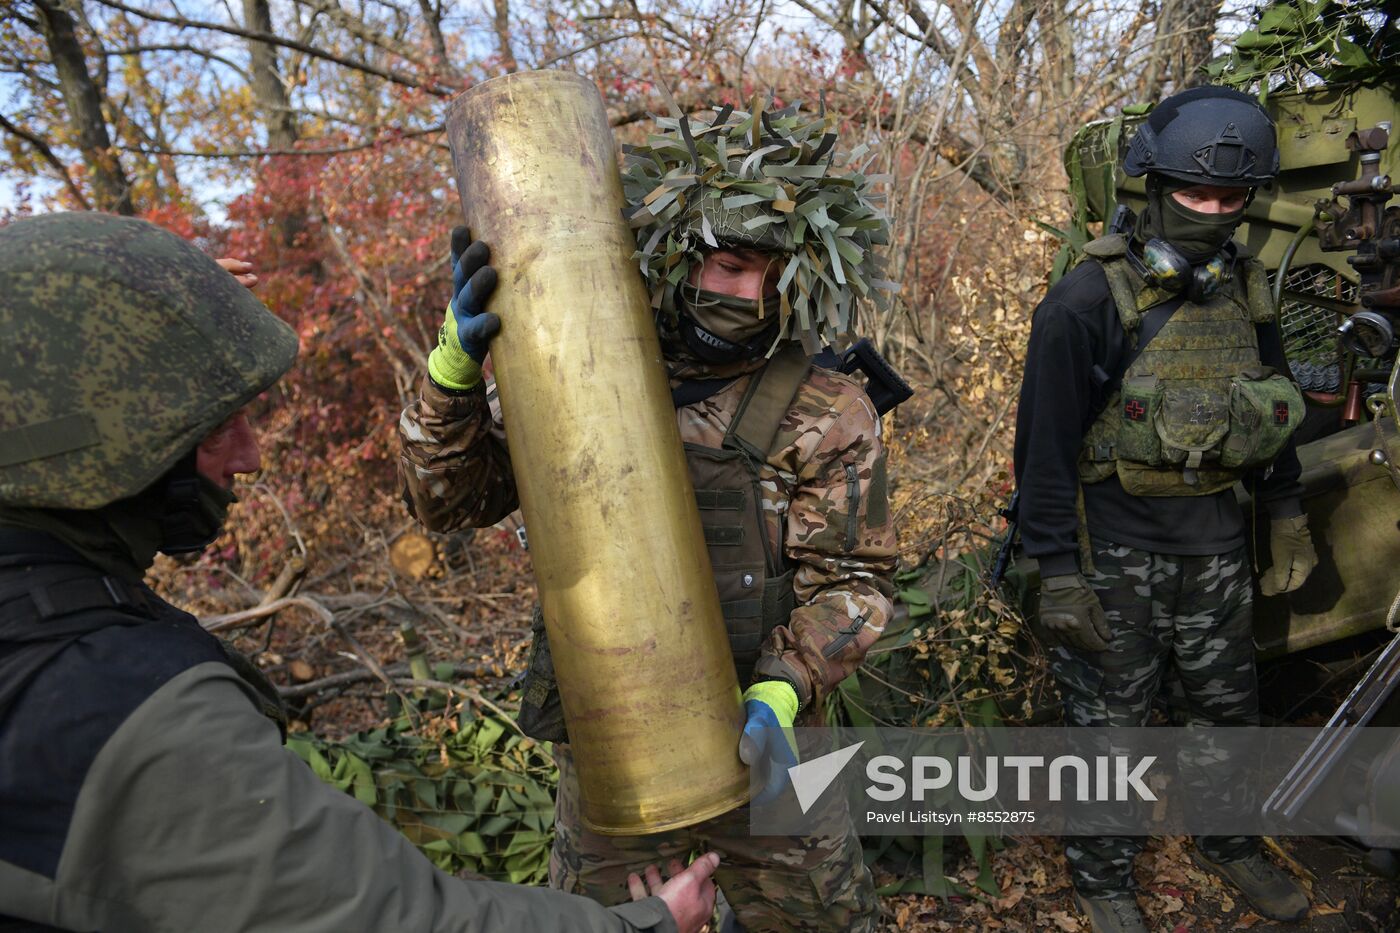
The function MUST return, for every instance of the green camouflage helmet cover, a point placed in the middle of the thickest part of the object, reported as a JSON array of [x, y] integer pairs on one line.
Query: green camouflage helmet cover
[[124, 347], [773, 181]]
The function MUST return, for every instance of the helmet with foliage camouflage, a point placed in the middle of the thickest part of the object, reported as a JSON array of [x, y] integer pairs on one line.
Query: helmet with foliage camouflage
[[772, 181], [124, 347]]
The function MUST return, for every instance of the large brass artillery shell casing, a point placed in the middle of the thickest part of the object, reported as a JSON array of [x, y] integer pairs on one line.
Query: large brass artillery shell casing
[[650, 694]]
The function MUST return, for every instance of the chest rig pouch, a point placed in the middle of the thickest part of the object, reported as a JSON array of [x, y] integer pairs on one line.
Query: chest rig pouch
[[1195, 410], [751, 571]]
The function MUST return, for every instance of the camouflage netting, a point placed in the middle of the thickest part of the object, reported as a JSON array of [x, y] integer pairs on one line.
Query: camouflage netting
[[1300, 43], [773, 181]]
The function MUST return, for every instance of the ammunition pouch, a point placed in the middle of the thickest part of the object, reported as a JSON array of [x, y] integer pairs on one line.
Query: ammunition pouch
[[1266, 407], [1199, 436], [1195, 410], [755, 588]]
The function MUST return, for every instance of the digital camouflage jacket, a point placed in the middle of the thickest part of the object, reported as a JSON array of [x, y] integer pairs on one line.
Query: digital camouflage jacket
[[824, 496]]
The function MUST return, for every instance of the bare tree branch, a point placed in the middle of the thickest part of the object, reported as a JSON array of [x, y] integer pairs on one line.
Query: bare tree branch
[[260, 153], [362, 30], [48, 156], [111, 186], [432, 18], [500, 22], [388, 74], [551, 62], [178, 47]]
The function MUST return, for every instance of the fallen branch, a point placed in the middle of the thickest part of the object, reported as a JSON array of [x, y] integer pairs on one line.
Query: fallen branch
[[364, 656], [287, 582], [347, 678], [466, 692], [247, 617]]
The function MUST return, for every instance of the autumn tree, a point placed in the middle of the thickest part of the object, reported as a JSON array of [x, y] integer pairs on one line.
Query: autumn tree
[[306, 136]]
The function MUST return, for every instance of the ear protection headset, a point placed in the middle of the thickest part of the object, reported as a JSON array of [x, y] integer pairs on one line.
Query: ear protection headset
[[1163, 266]]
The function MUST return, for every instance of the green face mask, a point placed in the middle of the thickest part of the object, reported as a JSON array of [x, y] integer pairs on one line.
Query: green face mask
[[720, 328], [1196, 235], [734, 319]]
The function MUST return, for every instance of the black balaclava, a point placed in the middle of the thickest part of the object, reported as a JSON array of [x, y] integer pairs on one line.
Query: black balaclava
[[1197, 236], [180, 513]]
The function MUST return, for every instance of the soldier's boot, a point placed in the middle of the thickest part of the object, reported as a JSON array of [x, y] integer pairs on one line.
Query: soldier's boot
[[1269, 890], [1117, 914]]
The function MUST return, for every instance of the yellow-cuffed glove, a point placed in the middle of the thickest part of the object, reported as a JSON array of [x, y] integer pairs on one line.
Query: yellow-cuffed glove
[[771, 706], [465, 336]]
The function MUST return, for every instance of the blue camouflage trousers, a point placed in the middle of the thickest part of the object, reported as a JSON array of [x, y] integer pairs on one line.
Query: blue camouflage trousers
[[1187, 612]]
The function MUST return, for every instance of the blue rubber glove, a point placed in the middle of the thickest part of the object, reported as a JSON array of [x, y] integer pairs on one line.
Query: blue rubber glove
[[467, 329], [770, 706]]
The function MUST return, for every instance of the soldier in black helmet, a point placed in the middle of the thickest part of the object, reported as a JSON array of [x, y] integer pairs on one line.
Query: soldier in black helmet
[[143, 781], [1155, 380]]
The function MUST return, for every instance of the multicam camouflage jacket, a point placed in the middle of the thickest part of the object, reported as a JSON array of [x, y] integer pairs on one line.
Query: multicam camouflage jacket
[[824, 500]]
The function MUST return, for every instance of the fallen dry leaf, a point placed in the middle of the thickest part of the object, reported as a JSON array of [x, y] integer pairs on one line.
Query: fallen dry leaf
[[1063, 921], [1169, 904], [1010, 899], [1202, 879]]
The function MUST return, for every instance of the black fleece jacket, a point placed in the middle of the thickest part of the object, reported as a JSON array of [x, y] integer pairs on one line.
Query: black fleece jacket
[[1075, 329]]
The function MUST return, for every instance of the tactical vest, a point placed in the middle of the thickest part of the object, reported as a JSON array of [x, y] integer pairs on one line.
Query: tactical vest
[[1195, 410], [751, 572], [48, 604]]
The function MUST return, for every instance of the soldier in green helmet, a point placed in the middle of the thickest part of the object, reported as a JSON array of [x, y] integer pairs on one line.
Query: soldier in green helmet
[[1155, 380], [144, 785], [757, 239]]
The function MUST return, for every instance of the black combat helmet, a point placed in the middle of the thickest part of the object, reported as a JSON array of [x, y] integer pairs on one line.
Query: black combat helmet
[[1206, 136]]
